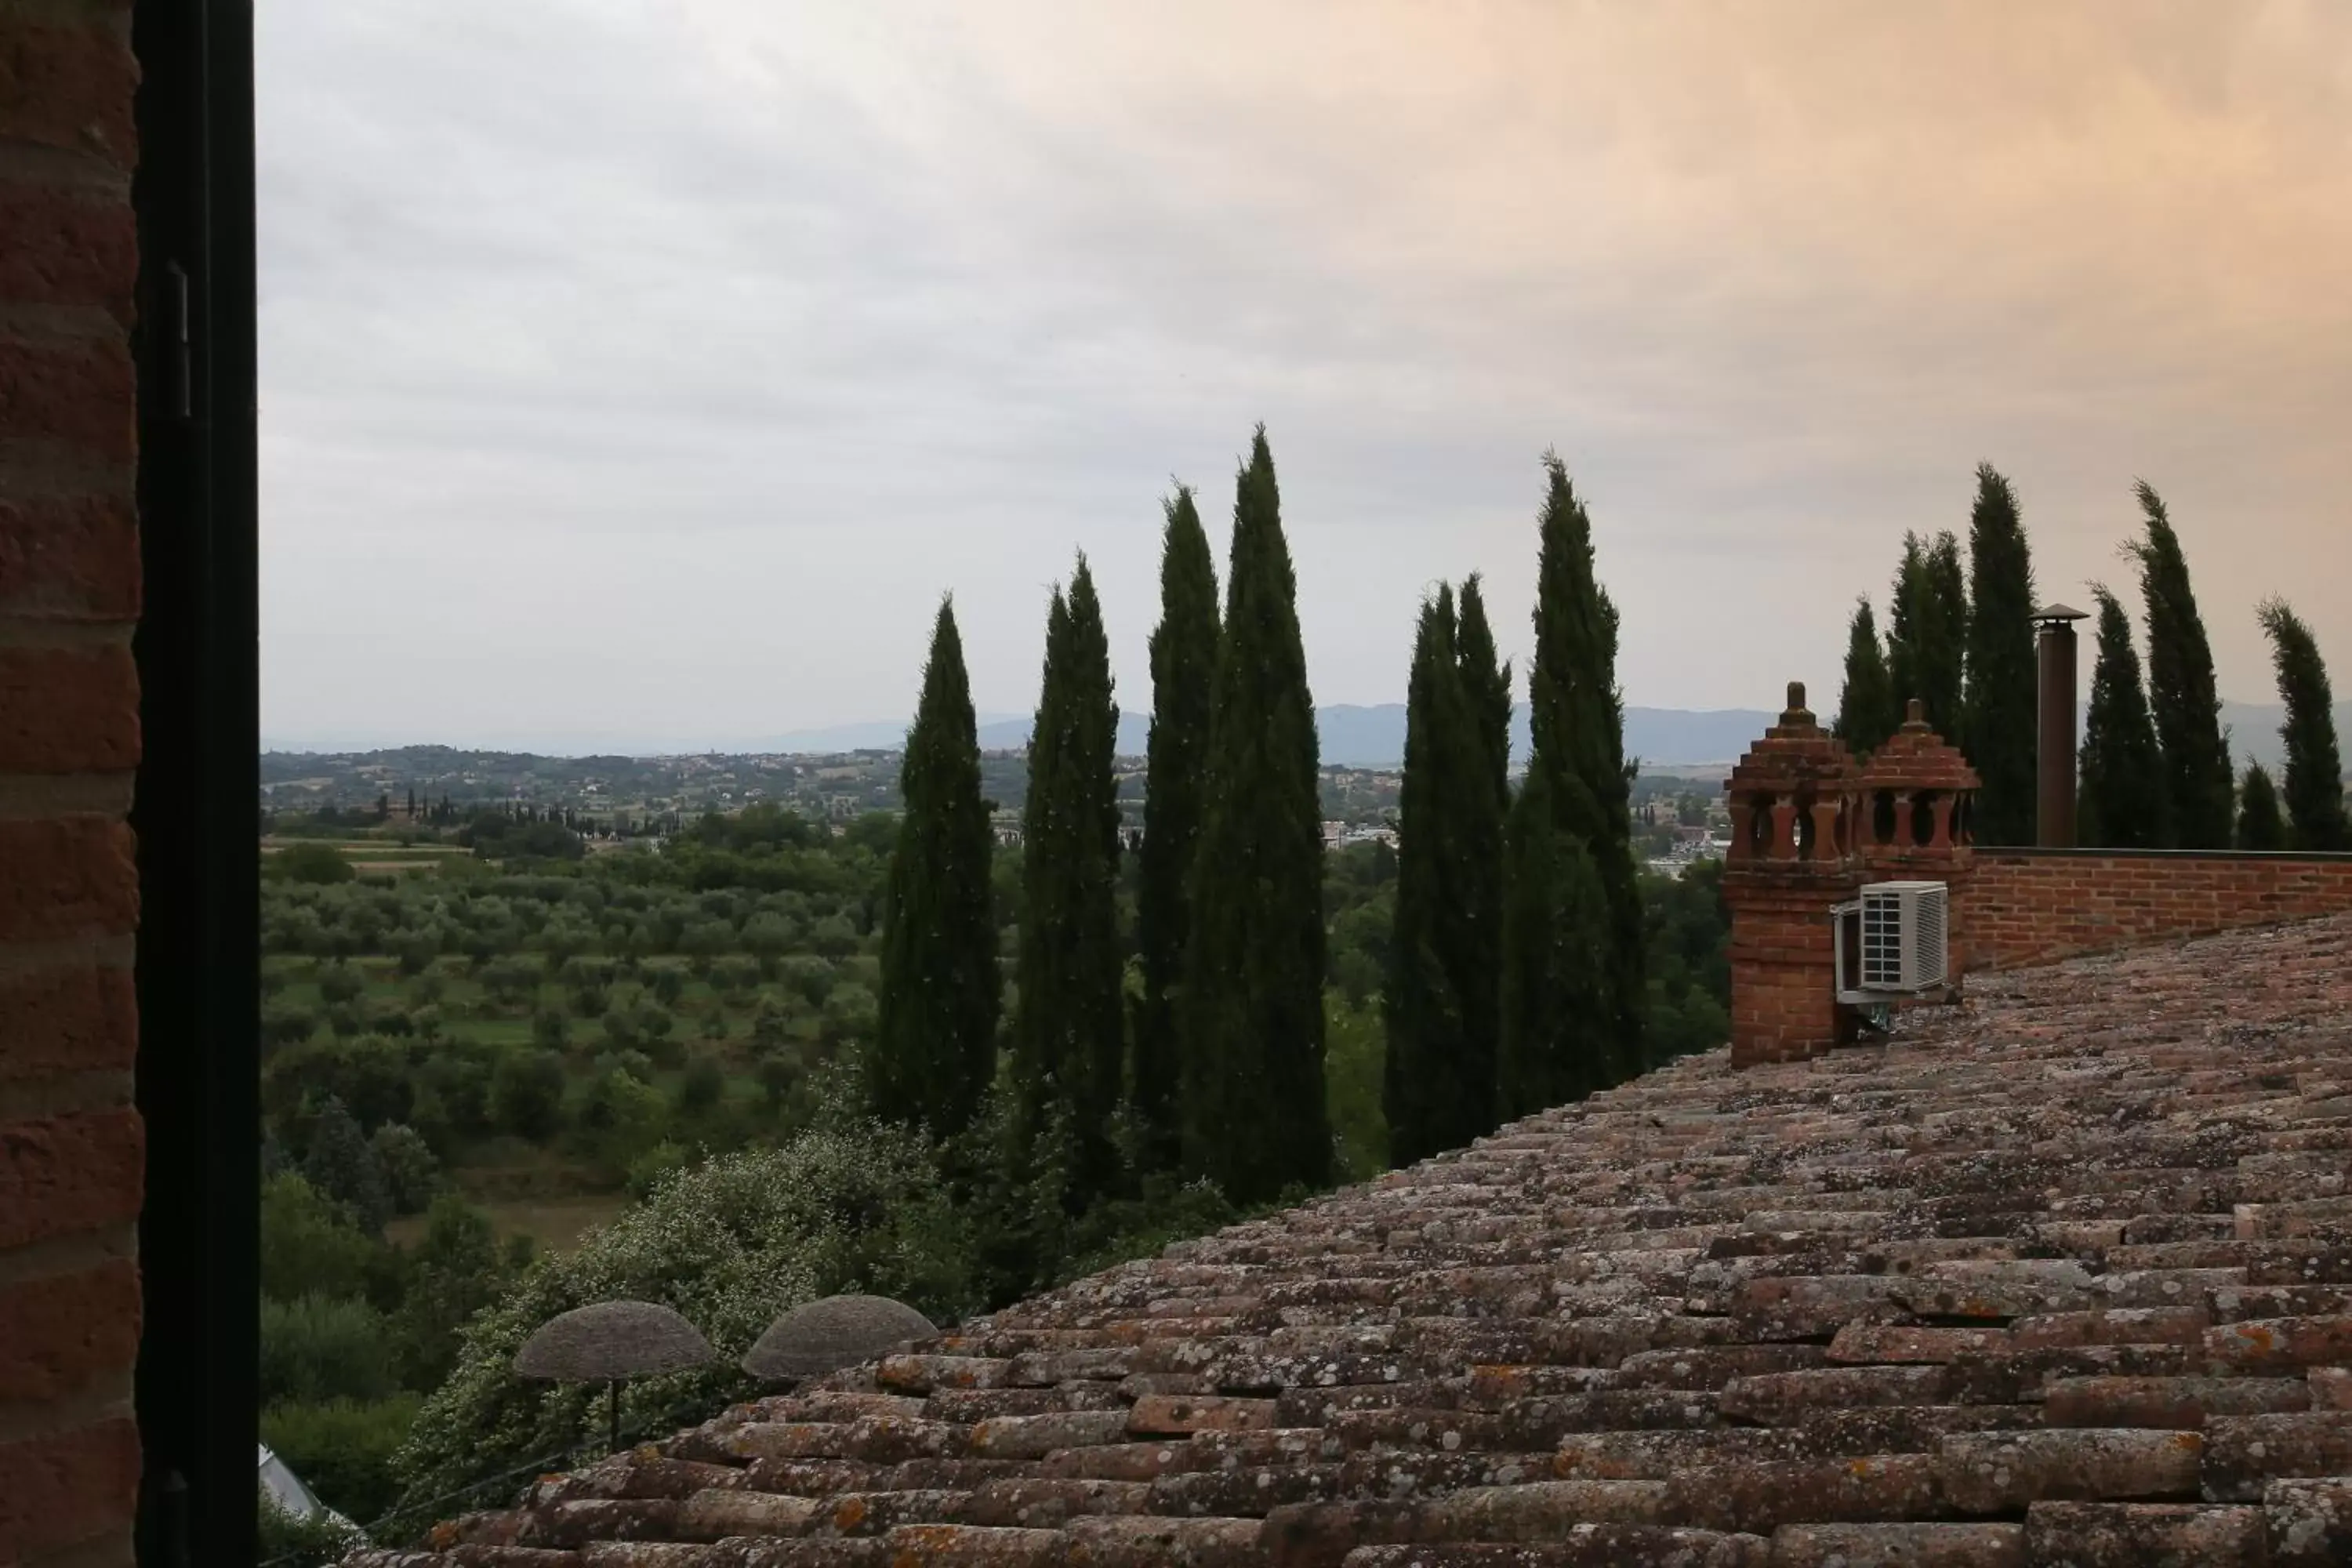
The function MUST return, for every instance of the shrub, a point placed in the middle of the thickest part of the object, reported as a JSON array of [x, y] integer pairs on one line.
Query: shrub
[[342, 1165], [342, 1450], [321, 1347], [315, 864], [702, 1087], [655, 1166], [411, 1173], [454, 1272], [730, 1244], [288, 1540], [527, 1094], [285, 1023], [308, 1245], [339, 983]]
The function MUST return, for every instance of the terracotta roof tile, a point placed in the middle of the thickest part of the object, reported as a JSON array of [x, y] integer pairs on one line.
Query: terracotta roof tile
[[2062, 1273]]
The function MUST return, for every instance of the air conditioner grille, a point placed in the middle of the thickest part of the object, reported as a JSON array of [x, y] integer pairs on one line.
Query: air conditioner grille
[[1906, 929]]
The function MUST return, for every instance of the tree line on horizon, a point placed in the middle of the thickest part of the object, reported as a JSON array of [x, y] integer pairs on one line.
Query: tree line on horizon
[[1515, 975], [2155, 768]]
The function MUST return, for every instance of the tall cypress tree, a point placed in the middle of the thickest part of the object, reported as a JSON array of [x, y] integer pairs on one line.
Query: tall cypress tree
[[1255, 1115], [2122, 802], [1183, 678], [1439, 1090], [1572, 989], [2260, 825], [2180, 694], [1486, 804], [1999, 722], [1867, 712], [935, 1037], [1068, 1037], [2315, 767], [1927, 653]]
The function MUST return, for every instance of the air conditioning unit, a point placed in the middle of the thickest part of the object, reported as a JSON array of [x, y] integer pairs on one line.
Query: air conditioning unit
[[1894, 940]]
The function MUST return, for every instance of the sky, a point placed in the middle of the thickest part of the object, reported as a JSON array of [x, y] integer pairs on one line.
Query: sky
[[637, 374]]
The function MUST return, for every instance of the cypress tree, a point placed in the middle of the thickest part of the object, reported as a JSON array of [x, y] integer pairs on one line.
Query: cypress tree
[[1255, 1115], [2121, 804], [1439, 1090], [2181, 693], [1183, 678], [2315, 767], [1867, 711], [2000, 721], [1067, 1037], [2260, 825], [1572, 990], [935, 1036], [1926, 651], [1486, 804]]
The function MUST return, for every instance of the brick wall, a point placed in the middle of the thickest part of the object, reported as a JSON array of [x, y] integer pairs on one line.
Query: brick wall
[[70, 1146], [2036, 905]]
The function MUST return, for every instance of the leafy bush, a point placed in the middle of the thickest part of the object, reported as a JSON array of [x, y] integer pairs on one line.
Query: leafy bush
[[339, 983], [702, 1087], [285, 1023], [342, 1450], [527, 1093], [318, 1347], [317, 864], [730, 1244], [454, 1272], [308, 1245], [291, 1542], [411, 1173], [341, 1165]]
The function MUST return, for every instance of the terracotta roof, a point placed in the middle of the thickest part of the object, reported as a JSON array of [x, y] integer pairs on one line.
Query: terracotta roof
[[2062, 1274]]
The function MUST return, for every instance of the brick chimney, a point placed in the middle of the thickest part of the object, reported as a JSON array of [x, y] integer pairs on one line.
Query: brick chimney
[[1917, 794], [1795, 807]]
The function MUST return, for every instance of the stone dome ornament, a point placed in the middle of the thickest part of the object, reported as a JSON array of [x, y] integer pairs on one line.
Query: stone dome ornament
[[823, 1336], [611, 1343]]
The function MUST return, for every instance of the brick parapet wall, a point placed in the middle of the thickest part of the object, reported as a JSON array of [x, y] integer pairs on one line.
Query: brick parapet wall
[[71, 1148], [2023, 906]]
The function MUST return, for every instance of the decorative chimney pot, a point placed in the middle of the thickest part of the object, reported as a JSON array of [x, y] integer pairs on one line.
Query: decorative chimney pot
[[1796, 808], [1917, 794]]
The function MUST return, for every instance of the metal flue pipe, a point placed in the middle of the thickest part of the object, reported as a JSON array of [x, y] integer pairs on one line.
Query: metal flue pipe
[[2054, 753]]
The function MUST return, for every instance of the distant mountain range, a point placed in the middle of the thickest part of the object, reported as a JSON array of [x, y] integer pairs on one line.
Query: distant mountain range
[[1358, 736], [1664, 739]]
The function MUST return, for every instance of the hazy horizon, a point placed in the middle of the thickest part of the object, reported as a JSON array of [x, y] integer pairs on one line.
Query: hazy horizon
[[652, 369]]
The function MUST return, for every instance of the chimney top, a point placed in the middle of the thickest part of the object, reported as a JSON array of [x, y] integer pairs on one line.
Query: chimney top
[[2061, 613]]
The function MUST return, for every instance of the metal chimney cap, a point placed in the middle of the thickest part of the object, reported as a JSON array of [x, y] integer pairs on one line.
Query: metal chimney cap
[[2061, 613]]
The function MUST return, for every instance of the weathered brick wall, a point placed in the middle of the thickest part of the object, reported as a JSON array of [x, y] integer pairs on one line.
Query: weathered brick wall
[[2036, 905], [71, 1152]]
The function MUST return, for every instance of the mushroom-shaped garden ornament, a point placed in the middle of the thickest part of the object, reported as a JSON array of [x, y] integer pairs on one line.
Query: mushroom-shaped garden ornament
[[823, 1336], [611, 1343]]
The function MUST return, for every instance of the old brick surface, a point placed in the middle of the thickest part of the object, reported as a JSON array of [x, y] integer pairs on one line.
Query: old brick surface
[[60, 1175], [67, 878], [62, 1487], [69, 589], [67, 245], [69, 710], [70, 558], [75, 390], [1976, 1295], [74, 1018], [57, 1333]]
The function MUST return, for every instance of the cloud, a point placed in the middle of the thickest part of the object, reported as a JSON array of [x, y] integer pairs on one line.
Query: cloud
[[650, 370]]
